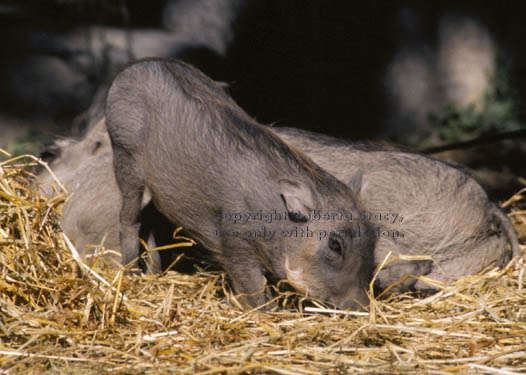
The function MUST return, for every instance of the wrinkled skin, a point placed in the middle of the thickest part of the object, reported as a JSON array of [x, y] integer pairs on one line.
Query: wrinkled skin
[[176, 133], [446, 213]]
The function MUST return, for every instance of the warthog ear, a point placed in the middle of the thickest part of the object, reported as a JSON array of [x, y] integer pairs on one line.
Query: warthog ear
[[298, 199], [355, 183]]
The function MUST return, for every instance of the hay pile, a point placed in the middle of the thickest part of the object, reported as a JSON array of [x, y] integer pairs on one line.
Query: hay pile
[[57, 316]]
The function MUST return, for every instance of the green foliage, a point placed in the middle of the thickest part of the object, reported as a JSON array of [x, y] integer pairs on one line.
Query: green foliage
[[497, 111], [31, 143]]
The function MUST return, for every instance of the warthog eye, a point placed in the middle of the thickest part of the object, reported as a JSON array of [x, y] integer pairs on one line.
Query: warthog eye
[[96, 146], [335, 244]]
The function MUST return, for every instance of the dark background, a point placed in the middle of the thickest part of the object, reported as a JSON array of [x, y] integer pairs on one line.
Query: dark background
[[319, 65]]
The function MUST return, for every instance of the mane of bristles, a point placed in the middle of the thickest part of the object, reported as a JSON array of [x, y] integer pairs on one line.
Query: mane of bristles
[[57, 316], [242, 128]]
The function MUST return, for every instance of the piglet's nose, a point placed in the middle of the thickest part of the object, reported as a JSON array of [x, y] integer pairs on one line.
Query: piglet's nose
[[356, 302]]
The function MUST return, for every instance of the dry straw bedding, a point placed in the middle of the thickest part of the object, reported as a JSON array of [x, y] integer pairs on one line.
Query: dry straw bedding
[[59, 316]]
